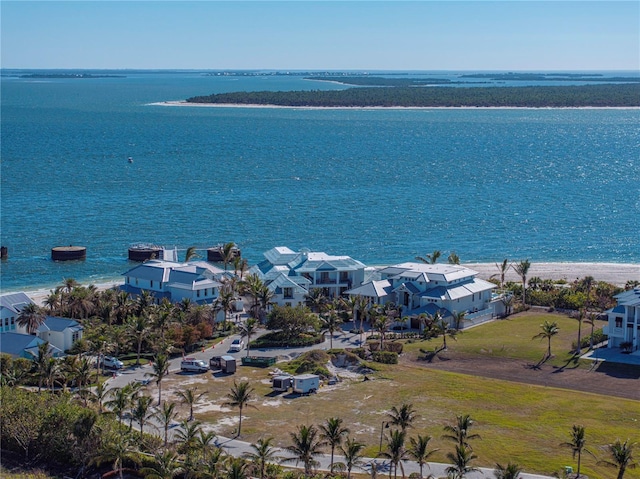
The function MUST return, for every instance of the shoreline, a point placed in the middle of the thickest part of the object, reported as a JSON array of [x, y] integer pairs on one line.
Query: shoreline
[[614, 273], [183, 103]]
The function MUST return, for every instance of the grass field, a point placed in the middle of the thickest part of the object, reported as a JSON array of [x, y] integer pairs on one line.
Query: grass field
[[518, 422]]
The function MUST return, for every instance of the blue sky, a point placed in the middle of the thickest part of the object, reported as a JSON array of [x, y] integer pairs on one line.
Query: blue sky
[[365, 35]]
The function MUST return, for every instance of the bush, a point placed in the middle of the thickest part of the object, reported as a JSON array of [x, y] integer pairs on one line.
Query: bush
[[393, 347], [278, 340], [585, 342], [385, 357]]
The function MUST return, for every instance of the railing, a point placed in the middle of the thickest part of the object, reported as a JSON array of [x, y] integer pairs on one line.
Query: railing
[[326, 281], [478, 314]]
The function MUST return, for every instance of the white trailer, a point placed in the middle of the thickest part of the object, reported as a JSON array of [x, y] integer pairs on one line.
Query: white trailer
[[306, 383]]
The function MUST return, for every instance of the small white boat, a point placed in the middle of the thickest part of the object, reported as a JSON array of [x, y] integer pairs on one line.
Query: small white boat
[[130, 160]]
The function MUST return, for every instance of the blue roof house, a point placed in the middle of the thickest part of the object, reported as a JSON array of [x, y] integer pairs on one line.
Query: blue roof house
[[23, 345], [10, 307], [60, 332]]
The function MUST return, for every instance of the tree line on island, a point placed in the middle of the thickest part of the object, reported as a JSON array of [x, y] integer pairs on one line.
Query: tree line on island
[[609, 95]]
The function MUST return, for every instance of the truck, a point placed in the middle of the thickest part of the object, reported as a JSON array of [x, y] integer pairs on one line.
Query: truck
[[282, 383], [193, 365], [226, 364], [306, 383]]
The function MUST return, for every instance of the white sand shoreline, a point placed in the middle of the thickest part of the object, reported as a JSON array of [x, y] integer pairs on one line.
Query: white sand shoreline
[[614, 273], [183, 103]]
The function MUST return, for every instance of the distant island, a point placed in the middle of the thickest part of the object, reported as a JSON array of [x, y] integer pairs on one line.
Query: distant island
[[598, 95], [68, 75]]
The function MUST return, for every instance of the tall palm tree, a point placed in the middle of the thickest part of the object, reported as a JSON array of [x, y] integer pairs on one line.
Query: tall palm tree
[[442, 327], [459, 431], [453, 258], [430, 258], [224, 302], [190, 397], [330, 323], [591, 321], [166, 465], [403, 416], [458, 319], [118, 402], [141, 411], [522, 269], [577, 444], [395, 451], [31, 317], [580, 317], [316, 300], [510, 471], [620, 456], [502, 271], [306, 446], [549, 330], [352, 452], [240, 395], [264, 452], [165, 416], [248, 329], [460, 462], [187, 436], [159, 369], [138, 328], [40, 363], [332, 431], [237, 469], [419, 450], [99, 394], [118, 448], [381, 325], [228, 253]]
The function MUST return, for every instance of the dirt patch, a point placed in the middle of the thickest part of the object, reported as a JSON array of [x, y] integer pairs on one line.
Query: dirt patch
[[609, 379]]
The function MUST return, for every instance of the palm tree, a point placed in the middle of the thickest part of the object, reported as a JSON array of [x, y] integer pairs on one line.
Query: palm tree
[[549, 330], [352, 452], [190, 254], [264, 453], [190, 397], [228, 252], [330, 323], [160, 368], [577, 444], [459, 432], [402, 417], [395, 451], [458, 319], [580, 317], [306, 445], [316, 300], [31, 317], [430, 258], [419, 450], [141, 411], [40, 363], [453, 258], [248, 329], [510, 471], [118, 402], [138, 328], [621, 456], [187, 436], [441, 326], [502, 268], [381, 325], [240, 395], [99, 394], [460, 461], [237, 469], [332, 432], [165, 416], [118, 448], [522, 269], [225, 301], [591, 320], [166, 465], [212, 464]]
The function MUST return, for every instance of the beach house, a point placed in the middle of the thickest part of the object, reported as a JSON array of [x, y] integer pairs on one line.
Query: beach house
[[291, 275], [426, 288], [61, 333], [624, 321], [11, 305], [196, 281]]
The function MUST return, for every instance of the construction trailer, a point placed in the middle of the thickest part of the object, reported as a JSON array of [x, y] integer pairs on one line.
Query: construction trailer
[[282, 383], [306, 383]]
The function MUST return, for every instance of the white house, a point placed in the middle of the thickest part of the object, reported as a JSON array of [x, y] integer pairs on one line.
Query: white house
[[291, 275], [10, 307], [427, 288], [197, 281], [19, 345], [624, 320], [60, 332]]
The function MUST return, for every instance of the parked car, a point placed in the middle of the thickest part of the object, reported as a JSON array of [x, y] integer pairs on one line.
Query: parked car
[[193, 365], [110, 362], [236, 345]]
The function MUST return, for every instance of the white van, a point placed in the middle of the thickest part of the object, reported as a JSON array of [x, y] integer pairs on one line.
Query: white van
[[193, 365]]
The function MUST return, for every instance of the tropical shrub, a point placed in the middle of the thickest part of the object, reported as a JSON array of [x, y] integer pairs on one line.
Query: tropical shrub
[[385, 357]]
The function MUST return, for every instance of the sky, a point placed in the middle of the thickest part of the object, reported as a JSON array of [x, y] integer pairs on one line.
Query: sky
[[317, 35]]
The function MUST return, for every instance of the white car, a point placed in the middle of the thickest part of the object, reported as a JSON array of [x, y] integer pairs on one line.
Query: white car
[[110, 362], [236, 345], [193, 365]]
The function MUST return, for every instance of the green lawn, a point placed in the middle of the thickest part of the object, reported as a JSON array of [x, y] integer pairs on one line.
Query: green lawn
[[518, 422]]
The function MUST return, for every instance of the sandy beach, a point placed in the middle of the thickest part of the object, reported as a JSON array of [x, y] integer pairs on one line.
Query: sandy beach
[[615, 273]]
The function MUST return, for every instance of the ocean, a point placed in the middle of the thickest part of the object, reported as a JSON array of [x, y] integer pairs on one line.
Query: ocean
[[381, 186]]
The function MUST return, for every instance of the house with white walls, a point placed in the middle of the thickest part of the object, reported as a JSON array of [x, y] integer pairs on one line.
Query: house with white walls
[[60, 332], [426, 288], [291, 275], [197, 281], [624, 321], [11, 305]]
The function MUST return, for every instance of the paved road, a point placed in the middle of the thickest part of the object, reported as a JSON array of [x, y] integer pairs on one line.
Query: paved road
[[237, 447]]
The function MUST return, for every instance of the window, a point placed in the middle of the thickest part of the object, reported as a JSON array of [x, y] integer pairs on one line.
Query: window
[[206, 291], [75, 336], [136, 281], [152, 283], [287, 304], [198, 293], [618, 322], [288, 293], [324, 278], [344, 276]]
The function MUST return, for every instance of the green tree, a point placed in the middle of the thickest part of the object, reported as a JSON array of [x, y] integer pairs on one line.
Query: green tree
[[142, 411], [430, 258], [549, 330], [330, 323], [460, 462], [190, 254], [419, 450], [159, 369], [166, 465], [165, 416], [190, 397], [138, 328], [510, 471], [395, 451], [577, 444], [522, 269], [316, 300], [116, 448], [352, 452], [332, 431], [502, 271], [240, 395], [402, 417], [453, 258], [237, 469], [307, 445], [31, 317], [459, 431], [458, 319], [264, 452], [248, 329], [620, 456]]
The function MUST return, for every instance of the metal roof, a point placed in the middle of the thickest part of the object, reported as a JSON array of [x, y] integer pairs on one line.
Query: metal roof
[[15, 301]]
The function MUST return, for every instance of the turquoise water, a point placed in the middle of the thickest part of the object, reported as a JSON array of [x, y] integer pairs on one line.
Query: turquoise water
[[379, 185]]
